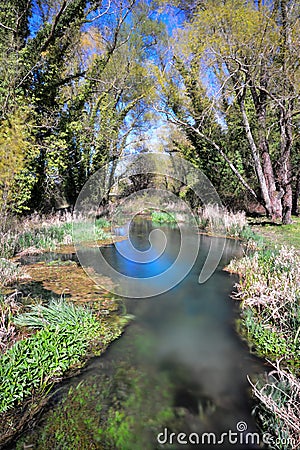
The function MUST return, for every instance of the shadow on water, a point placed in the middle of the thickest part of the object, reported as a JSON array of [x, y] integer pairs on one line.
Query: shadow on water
[[180, 366]]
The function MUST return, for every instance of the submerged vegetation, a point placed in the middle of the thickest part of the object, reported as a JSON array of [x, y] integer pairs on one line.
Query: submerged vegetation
[[162, 217], [109, 417], [49, 342], [43, 341], [84, 83]]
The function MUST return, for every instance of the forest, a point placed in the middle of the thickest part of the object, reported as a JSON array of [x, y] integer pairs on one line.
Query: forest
[[193, 105], [86, 82]]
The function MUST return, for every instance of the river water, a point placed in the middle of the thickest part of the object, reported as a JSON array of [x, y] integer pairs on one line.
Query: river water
[[179, 367]]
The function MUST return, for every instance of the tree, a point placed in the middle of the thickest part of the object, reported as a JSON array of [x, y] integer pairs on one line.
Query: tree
[[16, 155], [243, 56], [79, 67]]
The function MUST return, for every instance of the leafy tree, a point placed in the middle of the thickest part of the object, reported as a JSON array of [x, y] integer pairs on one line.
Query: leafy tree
[[81, 70], [246, 56], [16, 155]]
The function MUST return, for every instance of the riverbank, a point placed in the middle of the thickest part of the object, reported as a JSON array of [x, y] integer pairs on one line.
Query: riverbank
[[269, 292], [53, 319]]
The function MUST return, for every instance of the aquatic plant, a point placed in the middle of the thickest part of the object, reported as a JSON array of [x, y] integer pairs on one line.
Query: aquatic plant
[[64, 334], [111, 412], [162, 217]]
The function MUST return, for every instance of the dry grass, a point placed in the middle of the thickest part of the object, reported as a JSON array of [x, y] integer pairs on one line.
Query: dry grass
[[9, 307], [270, 292], [11, 272], [279, 396], [219, 220], [269, 289]]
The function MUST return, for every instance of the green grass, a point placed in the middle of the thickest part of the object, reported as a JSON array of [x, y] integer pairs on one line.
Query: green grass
[[281, 234], [64, 334]]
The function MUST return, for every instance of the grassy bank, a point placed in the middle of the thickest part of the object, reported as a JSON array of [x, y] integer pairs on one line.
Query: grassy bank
[[269, 290], [60, 337], [44, 342], [61, 334], [34, 235], [279, 234]]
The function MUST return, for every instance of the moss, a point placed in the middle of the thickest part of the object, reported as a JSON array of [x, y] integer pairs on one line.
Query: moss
[[112, 412]]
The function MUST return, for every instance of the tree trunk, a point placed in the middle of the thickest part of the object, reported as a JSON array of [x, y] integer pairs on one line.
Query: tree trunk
[[259, 97], [266, 197], [285, 121], [284, 172], [295, 207]]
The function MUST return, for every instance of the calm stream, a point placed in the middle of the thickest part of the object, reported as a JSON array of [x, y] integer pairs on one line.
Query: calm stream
[[179, 363]]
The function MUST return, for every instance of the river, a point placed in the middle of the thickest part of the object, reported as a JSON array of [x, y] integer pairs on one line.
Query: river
[[179, 367]]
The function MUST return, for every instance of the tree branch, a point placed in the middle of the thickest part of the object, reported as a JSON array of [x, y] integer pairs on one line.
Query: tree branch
[[54, 25], [177, 121]]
